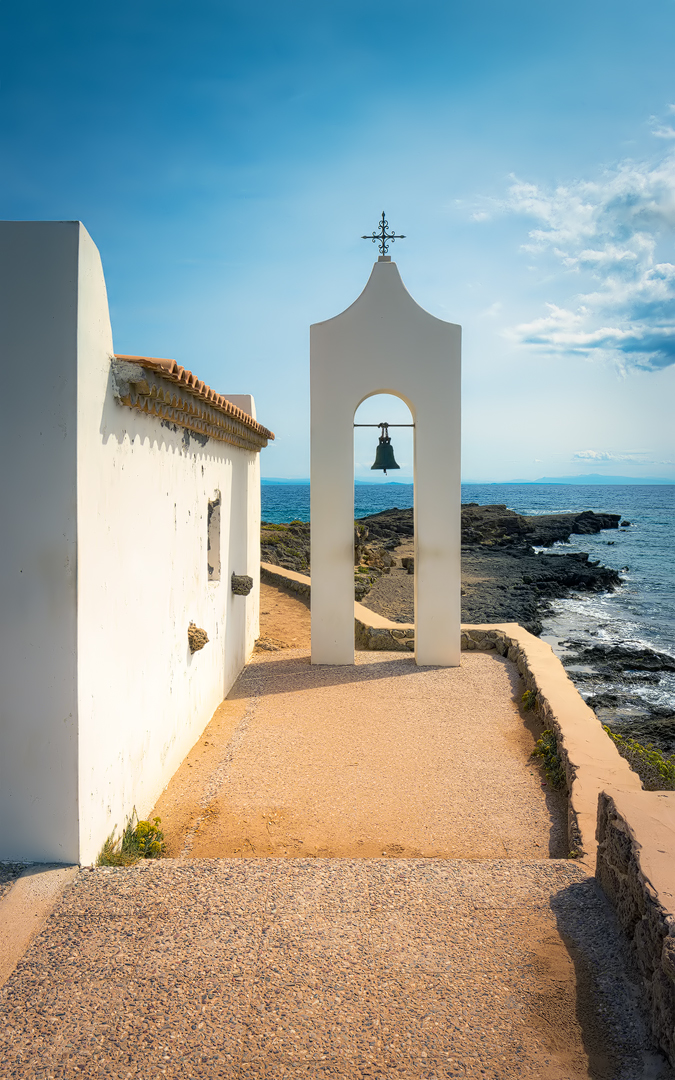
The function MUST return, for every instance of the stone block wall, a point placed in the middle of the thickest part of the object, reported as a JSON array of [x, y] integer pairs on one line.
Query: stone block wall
[[285, 579], [636, 839]]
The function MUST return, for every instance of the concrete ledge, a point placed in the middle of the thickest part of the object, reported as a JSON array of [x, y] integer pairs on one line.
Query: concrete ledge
[[288, 579], [25, 908], [591, 760], [371, 631], [636, 869]]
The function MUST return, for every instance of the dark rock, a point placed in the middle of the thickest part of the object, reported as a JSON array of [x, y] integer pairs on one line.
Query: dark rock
[[503, 580], [607, 700], [626, 667], [197, 638], [241, 584], [619, 658], [285, 545]]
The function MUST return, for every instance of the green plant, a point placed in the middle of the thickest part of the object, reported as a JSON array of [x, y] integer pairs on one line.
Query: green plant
[[656, 771], [274, 525], [143, 840], [546, 748], [529, 699], [271, 539]]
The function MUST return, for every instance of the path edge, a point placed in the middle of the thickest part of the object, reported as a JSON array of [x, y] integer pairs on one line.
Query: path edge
[[25, 908]]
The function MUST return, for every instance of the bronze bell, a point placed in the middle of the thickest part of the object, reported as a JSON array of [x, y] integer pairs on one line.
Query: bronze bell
[[384, 455]]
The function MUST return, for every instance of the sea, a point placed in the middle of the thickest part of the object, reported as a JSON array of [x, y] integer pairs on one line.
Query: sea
[[640, 613]]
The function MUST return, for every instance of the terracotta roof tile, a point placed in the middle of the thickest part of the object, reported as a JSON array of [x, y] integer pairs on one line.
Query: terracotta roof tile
[[169, 369]]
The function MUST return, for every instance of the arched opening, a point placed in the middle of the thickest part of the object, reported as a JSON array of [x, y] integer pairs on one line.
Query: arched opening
[[384, 510]]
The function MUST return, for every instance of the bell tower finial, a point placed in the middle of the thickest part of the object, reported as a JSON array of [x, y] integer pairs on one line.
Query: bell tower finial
[[381, 236]]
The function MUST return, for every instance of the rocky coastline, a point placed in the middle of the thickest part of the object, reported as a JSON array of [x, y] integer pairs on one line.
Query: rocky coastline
[[505, 578]]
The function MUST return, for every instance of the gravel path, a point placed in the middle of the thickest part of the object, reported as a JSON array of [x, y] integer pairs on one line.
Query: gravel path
[[319, 968], [469, 954], [380, 758]]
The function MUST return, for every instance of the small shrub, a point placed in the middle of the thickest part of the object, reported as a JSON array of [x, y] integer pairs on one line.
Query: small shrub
[[529, 699], [546, 748], [267, 525], [271, 539], [144, 840], [656, 771]]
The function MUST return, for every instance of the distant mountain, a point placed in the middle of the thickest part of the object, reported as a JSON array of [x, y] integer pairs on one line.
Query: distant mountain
[[589, 478], [403, 480], [597, 478], [264, 480]]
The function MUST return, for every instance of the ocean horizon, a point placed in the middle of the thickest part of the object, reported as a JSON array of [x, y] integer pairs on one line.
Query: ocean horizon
[[594, 479]]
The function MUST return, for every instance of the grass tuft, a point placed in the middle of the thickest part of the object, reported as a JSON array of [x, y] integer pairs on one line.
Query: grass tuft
[[529, 700], [143, 840], [546, 749], [656, 771]]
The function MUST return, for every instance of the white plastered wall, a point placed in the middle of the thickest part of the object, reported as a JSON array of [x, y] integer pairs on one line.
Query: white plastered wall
[[138, 490], [385, 343]]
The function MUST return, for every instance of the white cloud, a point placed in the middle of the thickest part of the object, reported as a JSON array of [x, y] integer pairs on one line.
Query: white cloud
[[602, 457], [664, 131], [608, 230], [592, 455]]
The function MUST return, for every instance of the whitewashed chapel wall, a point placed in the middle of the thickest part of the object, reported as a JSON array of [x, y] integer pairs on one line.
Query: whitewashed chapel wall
[[109, 523]]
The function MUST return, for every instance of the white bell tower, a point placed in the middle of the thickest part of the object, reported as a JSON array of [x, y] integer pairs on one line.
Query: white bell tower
[[385, 343]]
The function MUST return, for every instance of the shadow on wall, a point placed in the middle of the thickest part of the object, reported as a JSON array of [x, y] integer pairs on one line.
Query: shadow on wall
[[605, 998], [120, 423]]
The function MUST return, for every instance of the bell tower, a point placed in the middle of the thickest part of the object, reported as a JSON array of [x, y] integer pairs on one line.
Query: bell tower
[[385, 343]]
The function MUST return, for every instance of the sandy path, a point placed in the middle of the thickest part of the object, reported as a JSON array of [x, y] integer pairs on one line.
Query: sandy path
[[284, 618], [384, 757]]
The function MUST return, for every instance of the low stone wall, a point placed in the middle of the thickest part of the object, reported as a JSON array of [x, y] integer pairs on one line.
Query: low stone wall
[[636, 870], [591, 760], [286, 579], [383, 638]]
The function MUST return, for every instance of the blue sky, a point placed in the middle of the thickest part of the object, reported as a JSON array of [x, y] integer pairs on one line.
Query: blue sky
[[227, 157]]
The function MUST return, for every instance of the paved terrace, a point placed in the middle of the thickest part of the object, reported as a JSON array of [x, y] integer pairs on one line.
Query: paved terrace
[[367, 880]]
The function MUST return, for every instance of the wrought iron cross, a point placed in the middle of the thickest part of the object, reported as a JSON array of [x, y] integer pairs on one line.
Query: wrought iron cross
[[381, 236]]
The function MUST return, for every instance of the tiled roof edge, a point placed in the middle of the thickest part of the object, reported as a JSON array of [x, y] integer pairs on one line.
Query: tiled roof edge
[[169, 369]]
